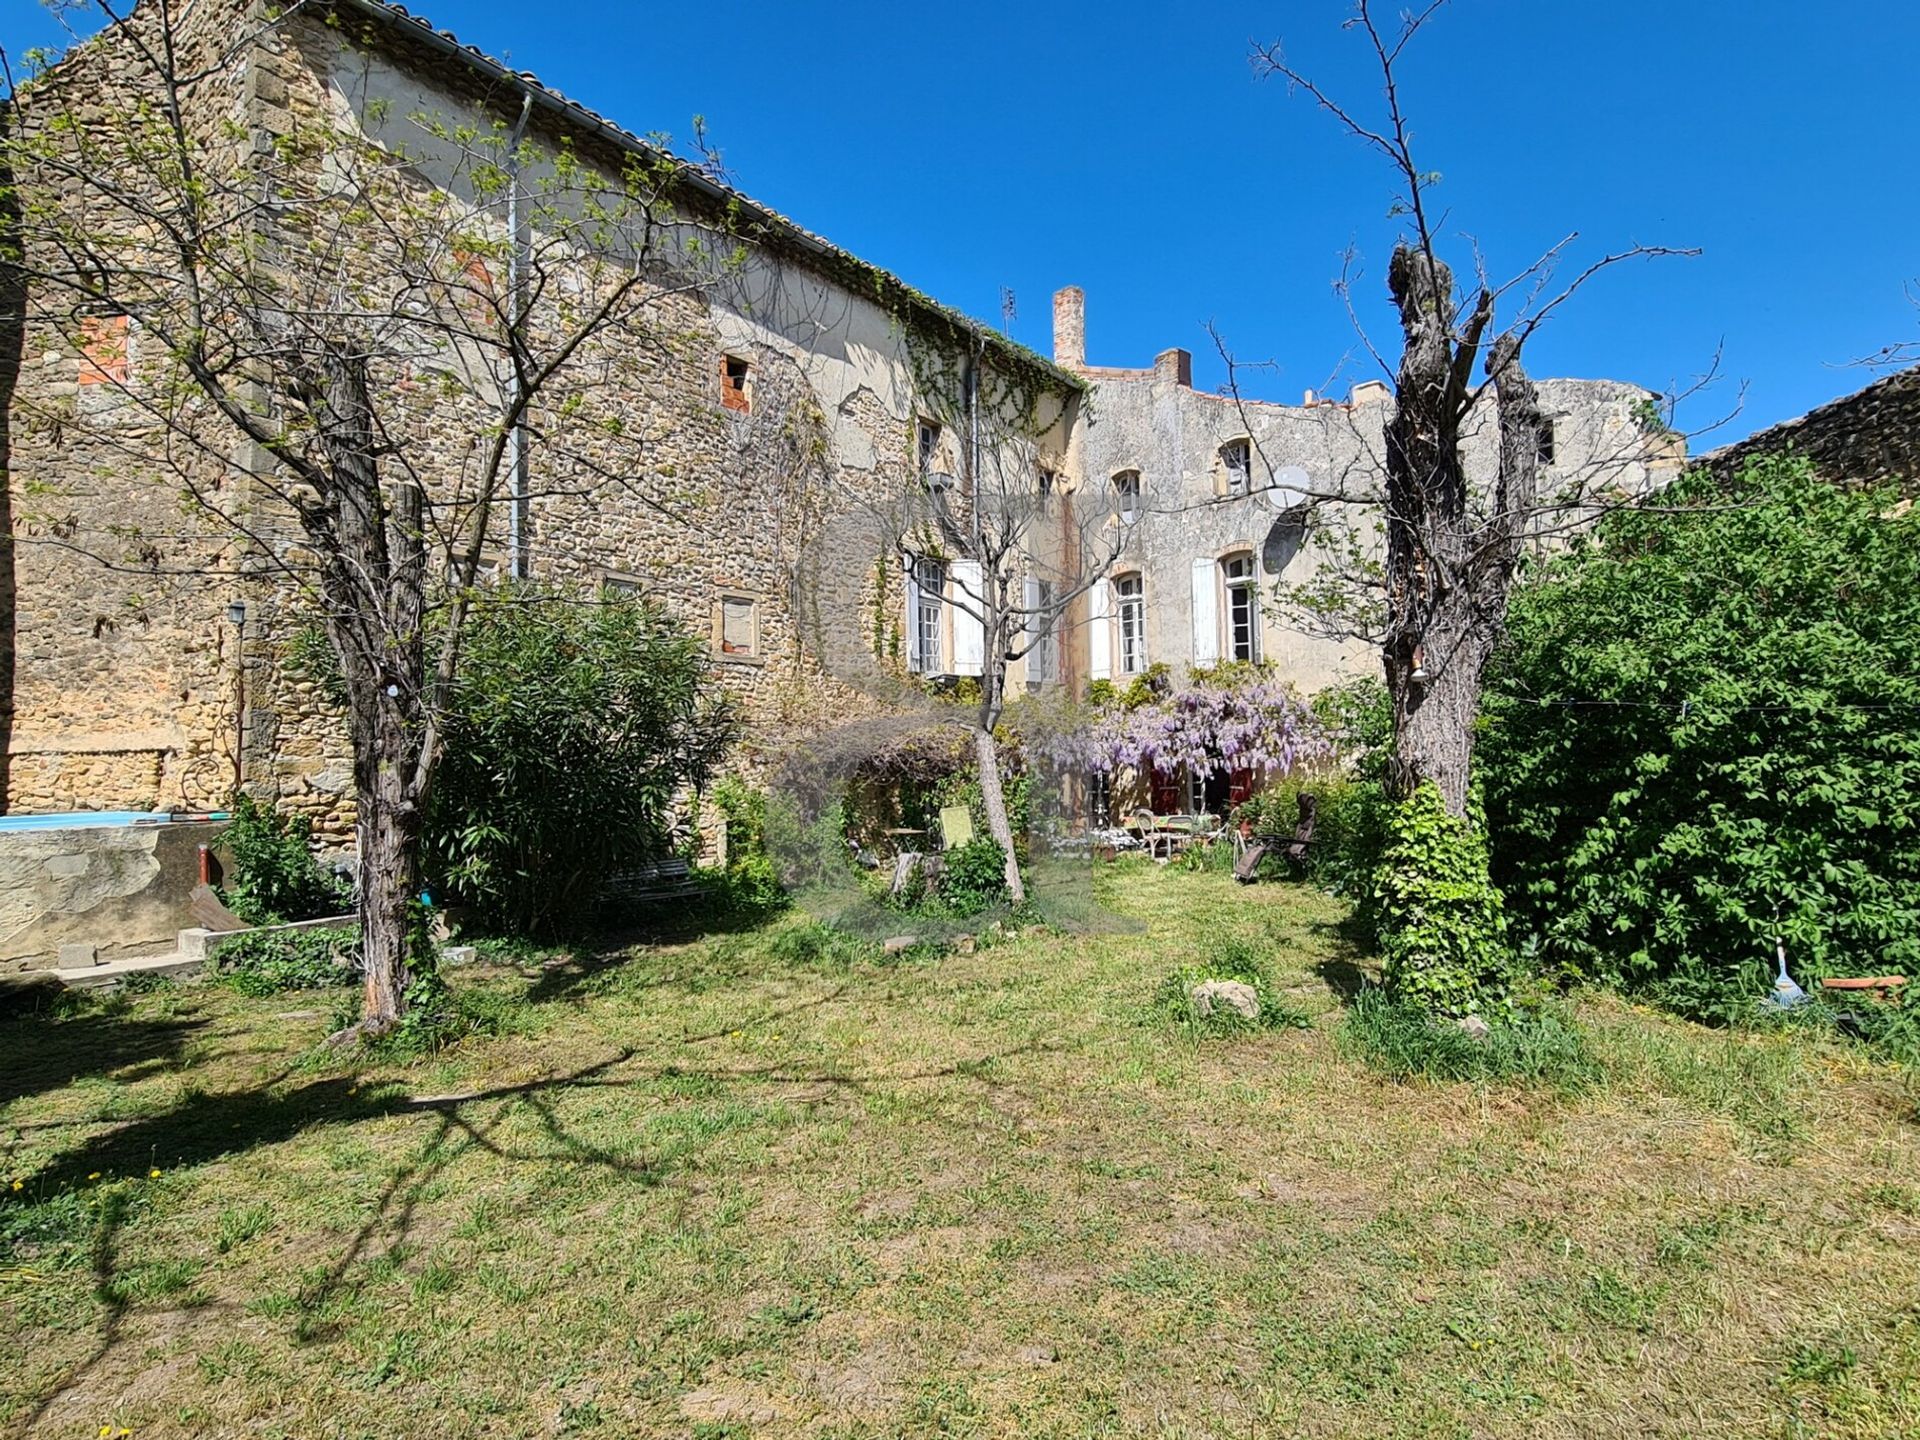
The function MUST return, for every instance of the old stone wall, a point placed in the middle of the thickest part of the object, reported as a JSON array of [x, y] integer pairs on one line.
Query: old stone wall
[[1869, 436], [119, 667], [771, 507]]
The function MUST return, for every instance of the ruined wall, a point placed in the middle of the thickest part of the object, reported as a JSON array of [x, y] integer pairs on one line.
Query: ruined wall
[[1870, 435]]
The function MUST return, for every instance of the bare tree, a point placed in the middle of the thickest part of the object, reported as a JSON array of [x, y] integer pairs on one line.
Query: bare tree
[[1452, 541], [286, 319]]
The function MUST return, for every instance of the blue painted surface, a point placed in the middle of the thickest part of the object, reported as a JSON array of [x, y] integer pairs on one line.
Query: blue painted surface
[[81, 820]]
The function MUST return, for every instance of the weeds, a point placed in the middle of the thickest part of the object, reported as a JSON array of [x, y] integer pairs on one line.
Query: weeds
[[1540, 1047]]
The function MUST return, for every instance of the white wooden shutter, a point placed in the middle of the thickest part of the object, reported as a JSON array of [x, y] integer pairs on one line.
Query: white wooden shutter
[[1206, 615], [1035, 626], [969, 631], [916, 662], [1099, 633]]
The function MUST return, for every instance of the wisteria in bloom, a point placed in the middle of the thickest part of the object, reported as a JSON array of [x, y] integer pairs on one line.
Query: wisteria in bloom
[[1261, 726]]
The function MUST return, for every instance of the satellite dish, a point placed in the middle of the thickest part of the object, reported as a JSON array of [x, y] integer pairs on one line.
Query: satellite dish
[[1289, 488]]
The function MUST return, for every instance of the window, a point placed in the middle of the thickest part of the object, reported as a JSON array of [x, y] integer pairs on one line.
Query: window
[[1129, 593], [928, 579], [1126, 495], [1543, 439], [734, 393], [1243, 608], [736, 626], [1048, 481], [1236, 467], [103, 350], [620, 587], [1041, 641], [927, 446]]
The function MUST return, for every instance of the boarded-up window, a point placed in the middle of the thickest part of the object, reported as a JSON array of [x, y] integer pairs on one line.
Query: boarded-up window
[[103, 350], [734, 391], [739, 626]]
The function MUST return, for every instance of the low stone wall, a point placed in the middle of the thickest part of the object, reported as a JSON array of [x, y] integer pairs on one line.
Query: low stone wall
[[121, 888]]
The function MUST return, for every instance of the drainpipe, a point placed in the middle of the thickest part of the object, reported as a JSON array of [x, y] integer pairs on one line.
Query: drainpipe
[[517, 516]]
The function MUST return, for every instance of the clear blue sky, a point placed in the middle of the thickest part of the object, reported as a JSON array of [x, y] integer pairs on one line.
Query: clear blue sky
[[1126, 146]]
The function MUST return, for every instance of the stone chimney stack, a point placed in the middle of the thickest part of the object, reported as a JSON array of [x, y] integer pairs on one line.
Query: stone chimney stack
[[1070, 327]]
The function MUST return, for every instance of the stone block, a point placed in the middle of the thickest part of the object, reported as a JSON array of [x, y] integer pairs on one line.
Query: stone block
[[75, 955]]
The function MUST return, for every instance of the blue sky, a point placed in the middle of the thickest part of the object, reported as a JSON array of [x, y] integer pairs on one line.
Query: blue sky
[[1127, 147]]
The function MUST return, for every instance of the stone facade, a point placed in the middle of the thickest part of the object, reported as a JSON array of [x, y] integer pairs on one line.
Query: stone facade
[[1223, 485], [745, 461], [1869, 436], [753, 460]]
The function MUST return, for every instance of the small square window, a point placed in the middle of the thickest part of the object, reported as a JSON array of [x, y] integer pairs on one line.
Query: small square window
[[735, 393], [736, 629], [620, 587]]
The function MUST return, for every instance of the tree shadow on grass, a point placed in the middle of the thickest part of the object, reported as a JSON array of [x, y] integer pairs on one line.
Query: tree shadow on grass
[[1351, 966], [205, 1127], [68, 1041]]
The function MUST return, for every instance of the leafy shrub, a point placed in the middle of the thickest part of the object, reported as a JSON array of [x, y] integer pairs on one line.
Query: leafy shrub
[[1442, 928], [975, 877], [268, 962], [750, 885], [573, 732], [276, 878], [1402, 1039], [1208, 857], [1702, 736], [1350, 826], [1230, 960]]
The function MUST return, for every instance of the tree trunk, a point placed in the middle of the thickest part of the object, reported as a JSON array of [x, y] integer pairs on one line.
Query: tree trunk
[[994, 801], [1450, 564], [374, 584], [389, 834]]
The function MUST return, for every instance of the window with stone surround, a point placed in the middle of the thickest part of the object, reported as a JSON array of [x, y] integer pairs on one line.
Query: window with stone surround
[[1239, 584], [618, 585], [1544, 441], [736, 625], [1236, 467], [736, 384], [1126, 495]]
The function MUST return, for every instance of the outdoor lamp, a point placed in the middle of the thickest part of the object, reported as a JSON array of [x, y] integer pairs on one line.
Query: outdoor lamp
[[237, 613]]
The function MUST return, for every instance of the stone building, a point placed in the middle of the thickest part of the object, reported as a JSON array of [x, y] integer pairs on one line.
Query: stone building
[[752, 461], [1870, 436], [1213, 489], [760, 460]]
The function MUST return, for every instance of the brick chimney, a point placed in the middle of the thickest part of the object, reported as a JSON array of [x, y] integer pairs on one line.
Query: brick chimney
[[1070, 327]]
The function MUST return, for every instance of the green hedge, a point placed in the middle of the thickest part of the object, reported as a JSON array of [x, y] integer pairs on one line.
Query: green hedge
[[1705, 733]]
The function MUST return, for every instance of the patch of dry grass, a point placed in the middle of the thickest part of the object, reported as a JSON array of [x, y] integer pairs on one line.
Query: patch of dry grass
[[736, 1188]]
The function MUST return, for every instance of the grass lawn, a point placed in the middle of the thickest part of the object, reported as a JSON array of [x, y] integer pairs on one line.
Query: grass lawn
[[728, 1189]]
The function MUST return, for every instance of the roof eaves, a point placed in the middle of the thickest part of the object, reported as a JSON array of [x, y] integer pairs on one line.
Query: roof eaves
[[821, 249]]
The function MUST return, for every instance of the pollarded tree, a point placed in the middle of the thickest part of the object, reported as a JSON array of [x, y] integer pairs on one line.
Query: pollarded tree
[[1453, 537], [358, 343]]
